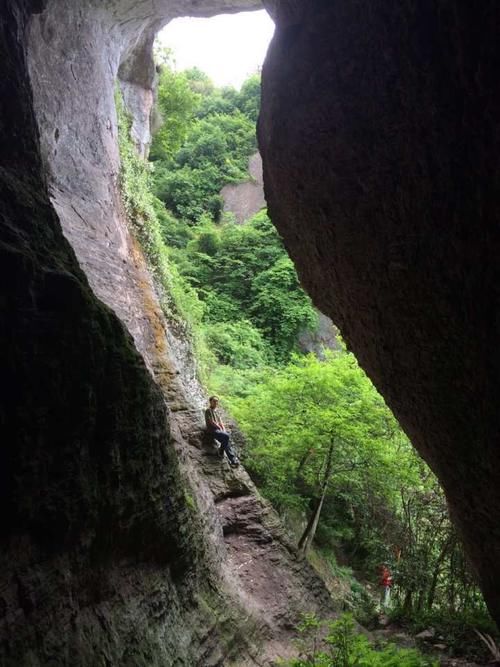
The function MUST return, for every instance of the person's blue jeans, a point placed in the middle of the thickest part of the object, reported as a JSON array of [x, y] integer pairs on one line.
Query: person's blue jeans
[[223, 438]]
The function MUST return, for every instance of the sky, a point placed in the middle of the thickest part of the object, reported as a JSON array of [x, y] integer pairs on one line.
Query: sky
[[228, 47]]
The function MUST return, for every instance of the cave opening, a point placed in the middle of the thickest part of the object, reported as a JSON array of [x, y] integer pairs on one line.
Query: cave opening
[[381, 173]]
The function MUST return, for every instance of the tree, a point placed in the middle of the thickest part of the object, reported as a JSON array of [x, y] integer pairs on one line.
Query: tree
[[242, 272], [331, 434], [199, 82], [238, 344], [312, 525], [249, 97], [214, 152], [176, 106], [280, 307]]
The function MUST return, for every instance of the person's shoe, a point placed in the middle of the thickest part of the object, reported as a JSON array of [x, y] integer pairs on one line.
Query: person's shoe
[[234, 464]]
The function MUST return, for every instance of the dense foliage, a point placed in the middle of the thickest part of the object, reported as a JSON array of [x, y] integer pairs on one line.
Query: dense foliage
[[176, 105], [253, 307], [325, 444], [246, 281], [194, 158], [342, 646]]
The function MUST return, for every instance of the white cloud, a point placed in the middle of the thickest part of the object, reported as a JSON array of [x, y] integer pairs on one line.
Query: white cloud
[[228, 47]]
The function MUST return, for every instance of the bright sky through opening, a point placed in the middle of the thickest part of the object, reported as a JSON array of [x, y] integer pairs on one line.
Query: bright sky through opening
[[227, 47]]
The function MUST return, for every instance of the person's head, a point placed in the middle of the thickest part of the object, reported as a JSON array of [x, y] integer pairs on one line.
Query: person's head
[[214, 401]]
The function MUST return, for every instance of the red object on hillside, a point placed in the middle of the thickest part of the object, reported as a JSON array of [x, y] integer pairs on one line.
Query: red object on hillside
[[385, 576]]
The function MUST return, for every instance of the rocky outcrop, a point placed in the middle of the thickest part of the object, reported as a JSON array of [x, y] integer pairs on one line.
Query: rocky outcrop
[[92, 499], [245, 199], [382, 172], [125, 542], [323, 337]]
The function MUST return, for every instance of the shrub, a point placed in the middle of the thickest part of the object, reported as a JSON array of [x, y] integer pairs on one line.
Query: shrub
[[238, 344], [343, 646]]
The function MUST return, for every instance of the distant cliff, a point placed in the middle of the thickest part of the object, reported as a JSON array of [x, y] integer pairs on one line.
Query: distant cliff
[[247, 198]]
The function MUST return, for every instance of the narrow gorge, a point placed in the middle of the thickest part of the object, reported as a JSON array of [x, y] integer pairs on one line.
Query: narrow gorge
[[124, 540]]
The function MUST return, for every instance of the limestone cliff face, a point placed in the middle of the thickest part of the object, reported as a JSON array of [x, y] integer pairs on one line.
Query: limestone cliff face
[[125, 542], [93, 505], [76, 51], [246, 198], [382, 175]]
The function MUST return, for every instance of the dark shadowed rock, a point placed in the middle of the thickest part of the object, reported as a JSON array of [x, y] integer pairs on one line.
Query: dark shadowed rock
[[380, 139]]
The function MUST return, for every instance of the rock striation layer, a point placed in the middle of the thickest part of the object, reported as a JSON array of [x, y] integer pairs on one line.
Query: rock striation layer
[[382, 175]]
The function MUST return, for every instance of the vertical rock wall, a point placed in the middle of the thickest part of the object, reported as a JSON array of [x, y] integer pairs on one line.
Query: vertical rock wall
[[90, 487], [382, 173], [76, 51]]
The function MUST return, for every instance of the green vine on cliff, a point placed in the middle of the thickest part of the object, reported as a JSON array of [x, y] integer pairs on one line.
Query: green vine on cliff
[[144, 211]]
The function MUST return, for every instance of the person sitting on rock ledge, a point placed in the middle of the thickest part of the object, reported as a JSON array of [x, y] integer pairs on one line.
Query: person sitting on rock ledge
[[216, 427]]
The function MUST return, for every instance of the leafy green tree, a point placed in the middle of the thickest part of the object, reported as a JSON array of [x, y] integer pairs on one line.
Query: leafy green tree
[[243, 272], [238, 344], [204, 141], [175, 233], [326, 417], [188, 193], [280, 307], [215, 152], [322, 440], [249, 97], [199, 82], [176, 104], [221, 101]]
